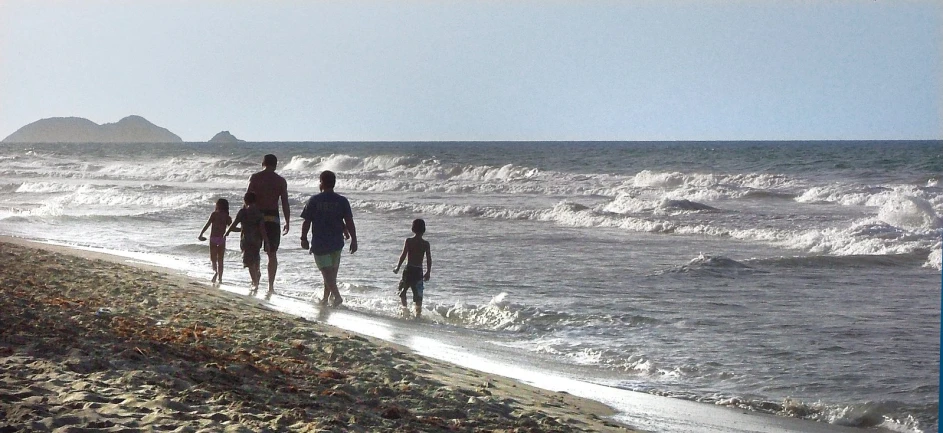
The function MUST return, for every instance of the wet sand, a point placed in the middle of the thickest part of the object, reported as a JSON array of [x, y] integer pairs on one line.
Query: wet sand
[[91, 343]]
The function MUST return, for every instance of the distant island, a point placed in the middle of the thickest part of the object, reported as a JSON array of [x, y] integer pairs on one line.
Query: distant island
[[225, 137], [131, 129]]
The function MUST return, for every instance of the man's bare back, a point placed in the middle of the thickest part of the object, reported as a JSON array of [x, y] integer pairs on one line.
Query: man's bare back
[[268, 187]]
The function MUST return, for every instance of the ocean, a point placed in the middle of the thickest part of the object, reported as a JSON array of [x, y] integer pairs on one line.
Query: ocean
[[798, 279]]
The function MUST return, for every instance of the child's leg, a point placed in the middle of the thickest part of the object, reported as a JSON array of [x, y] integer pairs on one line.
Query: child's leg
[[220, 255], [402, 292], [213, 261], [417, 297], [256, 275]]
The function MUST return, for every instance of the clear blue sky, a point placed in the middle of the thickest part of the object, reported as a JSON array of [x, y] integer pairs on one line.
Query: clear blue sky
[[481, 70]]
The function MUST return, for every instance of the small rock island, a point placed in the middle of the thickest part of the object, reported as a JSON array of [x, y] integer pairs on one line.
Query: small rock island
[[225, 137]]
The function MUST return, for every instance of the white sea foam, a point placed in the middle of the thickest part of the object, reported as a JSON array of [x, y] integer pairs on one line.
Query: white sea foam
[[833, 194], [910, 213], [935, 259], [868, 236], [495, 315], [92, 200], [46, 187], [678, 180], [177, 169], [856, 195], [412, 174], [632, 204]]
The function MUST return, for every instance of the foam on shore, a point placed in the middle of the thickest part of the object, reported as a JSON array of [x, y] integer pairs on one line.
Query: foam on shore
[[471, 373]]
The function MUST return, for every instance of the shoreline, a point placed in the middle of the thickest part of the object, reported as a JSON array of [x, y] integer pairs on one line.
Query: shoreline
[[486, 394], [92, 339]]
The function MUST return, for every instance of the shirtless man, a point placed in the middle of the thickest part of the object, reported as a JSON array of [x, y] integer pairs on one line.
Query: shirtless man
[[269, 188]]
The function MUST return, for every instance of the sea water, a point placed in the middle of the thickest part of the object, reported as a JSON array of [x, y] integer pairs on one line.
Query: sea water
[[800, 279]]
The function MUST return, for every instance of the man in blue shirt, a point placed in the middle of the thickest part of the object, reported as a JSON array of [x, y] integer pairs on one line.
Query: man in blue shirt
[[329, 217]]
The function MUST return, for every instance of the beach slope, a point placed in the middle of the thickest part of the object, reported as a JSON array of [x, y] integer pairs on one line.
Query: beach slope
[[89, 342]]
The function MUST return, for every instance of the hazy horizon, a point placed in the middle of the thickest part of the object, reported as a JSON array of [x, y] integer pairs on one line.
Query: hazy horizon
[[354, 70]]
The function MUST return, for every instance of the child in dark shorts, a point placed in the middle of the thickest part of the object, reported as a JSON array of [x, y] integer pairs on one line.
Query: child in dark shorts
[[415, 248], [253, 237]]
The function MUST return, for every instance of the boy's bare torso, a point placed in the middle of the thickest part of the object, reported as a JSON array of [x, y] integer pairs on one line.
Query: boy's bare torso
[[415, 251]]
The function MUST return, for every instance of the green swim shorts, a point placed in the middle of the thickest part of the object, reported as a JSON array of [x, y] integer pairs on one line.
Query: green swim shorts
[[329, 260]]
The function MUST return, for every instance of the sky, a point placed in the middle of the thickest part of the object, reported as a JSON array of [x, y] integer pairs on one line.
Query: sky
[[357, 70]]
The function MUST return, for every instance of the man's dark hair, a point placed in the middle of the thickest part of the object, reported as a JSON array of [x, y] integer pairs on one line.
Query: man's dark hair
[[328, 179], [249, 197], [270, 161]]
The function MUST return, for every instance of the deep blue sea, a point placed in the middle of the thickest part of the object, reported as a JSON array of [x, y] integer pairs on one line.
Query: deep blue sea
[[800, 279]]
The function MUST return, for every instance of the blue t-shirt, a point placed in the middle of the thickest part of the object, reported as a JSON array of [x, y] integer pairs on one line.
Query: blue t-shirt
[[326, 212]]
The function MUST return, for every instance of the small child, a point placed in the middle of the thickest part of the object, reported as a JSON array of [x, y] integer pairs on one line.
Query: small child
[[218, 220], [414, 248], [253, 237]]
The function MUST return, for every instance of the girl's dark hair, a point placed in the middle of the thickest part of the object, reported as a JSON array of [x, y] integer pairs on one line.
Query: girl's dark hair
[[223, 205], [249, 197], [419, 226]]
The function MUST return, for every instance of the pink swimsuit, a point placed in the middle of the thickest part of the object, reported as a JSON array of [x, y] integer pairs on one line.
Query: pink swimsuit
[[219, 241]]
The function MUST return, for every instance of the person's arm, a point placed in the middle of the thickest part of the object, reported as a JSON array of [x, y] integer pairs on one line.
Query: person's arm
[[232, 226], [285, 208], [428, 262], [304, 234], [402, 257], [349, 222], [249, 187], [208, 222]]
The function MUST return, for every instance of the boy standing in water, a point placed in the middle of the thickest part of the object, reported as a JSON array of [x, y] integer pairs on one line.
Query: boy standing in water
[[219, 220], [253, 237], [414, 249]]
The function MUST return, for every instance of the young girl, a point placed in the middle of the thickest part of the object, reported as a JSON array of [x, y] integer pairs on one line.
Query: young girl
[[219, 220]]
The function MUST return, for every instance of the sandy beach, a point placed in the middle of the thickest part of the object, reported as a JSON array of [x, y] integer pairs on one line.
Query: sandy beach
[[90, 343]]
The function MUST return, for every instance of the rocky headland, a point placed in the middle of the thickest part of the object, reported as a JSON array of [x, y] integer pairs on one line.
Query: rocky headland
[[131, 129]]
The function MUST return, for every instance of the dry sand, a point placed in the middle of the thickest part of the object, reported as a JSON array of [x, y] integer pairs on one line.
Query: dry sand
[[88, 343]]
